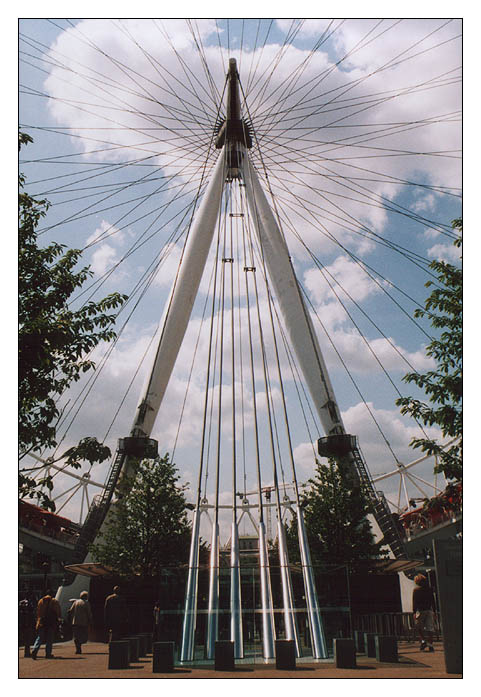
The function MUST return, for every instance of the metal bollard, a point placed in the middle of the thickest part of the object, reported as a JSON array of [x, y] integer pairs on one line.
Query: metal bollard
[[148, 642], [134, 648], [224, 655], [344, 653], [119, 654], [386, 649], [142, 645], [359, 641], [370, 644], [285, 654], [163, 656]]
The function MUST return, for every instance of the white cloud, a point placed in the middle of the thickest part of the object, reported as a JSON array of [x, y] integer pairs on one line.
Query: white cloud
[[103, 258], [430, 233], [364, 355], [425, 203], [445, 252], [106, 254], [105, 231], [348, 280]]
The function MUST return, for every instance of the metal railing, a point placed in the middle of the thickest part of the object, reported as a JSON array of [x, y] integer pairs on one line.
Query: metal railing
[[398, 624]]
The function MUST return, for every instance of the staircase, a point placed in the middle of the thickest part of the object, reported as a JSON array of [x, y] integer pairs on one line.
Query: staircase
[[136, 447], [345, 450], [381, 510], [98, 509]]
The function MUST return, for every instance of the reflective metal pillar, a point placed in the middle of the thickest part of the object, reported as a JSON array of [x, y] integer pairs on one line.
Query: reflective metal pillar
[[190, 608], [319, 648], [235, 595], [213, 607], [268, 627]]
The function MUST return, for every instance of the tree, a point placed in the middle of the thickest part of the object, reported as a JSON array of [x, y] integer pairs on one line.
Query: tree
[[338, 530], [54, 339], [148, 528], [443, 386]]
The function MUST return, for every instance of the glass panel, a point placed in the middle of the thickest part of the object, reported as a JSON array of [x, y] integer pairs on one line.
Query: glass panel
[[332, 584]]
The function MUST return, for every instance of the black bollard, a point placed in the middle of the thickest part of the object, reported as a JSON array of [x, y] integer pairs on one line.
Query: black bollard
[[370, 644], [163, 656], [119, 654], [134, 648], [224, 655], [344, 653], [359, 641], [142, 645], [285, 654], [386, 649], [148, 642]]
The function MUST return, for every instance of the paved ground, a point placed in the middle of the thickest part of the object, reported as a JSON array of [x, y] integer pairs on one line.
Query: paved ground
[[94, 660]]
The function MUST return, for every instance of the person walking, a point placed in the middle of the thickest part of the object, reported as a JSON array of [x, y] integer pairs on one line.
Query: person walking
[[48, 616], [115, 614], [157, 620], [423, 609], [80, 614]]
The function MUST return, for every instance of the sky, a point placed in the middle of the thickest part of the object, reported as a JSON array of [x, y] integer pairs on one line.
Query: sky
[[357, 129]]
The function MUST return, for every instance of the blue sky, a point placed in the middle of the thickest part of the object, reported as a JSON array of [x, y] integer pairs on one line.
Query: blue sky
[[358, 127]]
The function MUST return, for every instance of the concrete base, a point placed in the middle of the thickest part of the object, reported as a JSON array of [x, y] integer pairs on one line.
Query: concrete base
[[386, 649], [344, 653], [119, 654], [163, 656], [224, 655], [285, 654]]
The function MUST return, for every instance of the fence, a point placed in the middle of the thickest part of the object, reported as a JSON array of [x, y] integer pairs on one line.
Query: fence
[[398, 624]]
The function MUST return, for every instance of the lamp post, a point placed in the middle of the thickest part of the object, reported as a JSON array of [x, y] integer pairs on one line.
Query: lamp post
[[45, 566]]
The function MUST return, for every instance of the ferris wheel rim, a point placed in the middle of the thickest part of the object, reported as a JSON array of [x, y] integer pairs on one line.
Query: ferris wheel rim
[[402, 468]]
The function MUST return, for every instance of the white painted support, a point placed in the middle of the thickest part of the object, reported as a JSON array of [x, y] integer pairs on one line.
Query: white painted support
[[176, 318], [296, 316]]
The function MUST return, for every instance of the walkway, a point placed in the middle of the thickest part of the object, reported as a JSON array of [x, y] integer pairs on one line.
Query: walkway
[[94, 659]]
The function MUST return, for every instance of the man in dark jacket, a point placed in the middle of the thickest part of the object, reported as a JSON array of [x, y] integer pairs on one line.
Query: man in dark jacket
[[115, 614], [423, 609], [48, 615]]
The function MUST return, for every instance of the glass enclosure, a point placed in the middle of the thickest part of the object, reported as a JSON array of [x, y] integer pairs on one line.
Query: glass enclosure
[[332, 585]]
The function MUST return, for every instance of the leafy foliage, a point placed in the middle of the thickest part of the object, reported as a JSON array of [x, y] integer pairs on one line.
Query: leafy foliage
[[335, 513], [443, 386], [54, 339], [148, 528]]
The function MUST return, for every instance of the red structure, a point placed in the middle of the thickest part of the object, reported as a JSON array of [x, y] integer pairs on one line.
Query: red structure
[[441, 508], [46, 523]]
